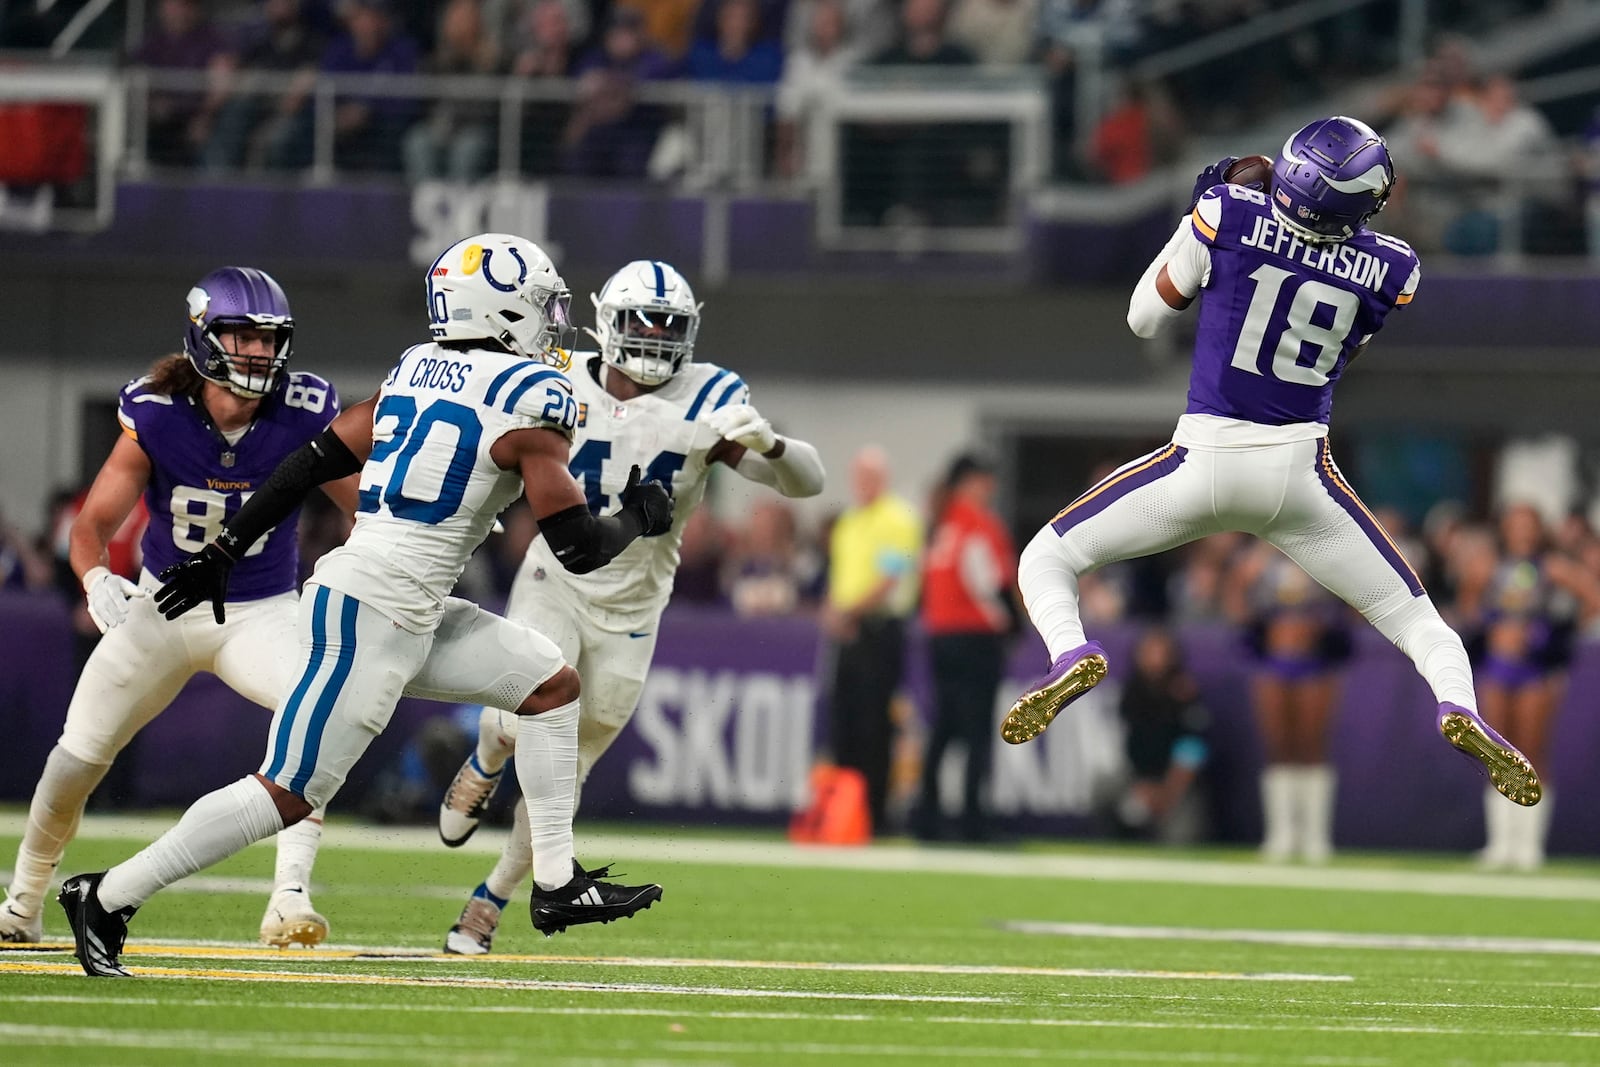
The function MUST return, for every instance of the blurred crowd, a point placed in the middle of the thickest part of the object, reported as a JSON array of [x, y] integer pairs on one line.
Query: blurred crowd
[[604, 50]]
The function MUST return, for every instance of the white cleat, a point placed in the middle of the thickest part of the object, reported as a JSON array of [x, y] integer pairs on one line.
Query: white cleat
[[17, 928], [473, 933], [465, 801], [291, 920]]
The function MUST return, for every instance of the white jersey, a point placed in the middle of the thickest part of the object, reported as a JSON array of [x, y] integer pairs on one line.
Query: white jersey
[[666, 434], [430, 491]]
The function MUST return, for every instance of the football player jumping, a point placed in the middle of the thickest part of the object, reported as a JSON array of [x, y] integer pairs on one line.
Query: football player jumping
[[202, 431], [1295, 286], [642, 401], [454, 434]]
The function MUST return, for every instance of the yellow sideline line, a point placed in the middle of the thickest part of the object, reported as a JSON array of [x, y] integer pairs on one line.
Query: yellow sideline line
[[319, 955]]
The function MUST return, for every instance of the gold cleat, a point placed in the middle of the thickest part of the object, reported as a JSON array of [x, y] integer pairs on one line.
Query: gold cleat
[[1039, 706], [290, 920], [1508, 769]]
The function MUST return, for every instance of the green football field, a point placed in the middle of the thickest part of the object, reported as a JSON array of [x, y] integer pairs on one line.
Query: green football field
[[762, 953]]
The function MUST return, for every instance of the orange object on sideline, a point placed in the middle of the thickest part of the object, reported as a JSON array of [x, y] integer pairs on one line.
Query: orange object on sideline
[[838, 814]]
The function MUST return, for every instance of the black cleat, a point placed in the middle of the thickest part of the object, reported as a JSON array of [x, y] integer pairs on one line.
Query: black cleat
[[586, 899], [99, 934]]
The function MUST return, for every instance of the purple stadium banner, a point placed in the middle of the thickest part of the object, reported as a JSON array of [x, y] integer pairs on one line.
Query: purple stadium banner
[[730, 720]]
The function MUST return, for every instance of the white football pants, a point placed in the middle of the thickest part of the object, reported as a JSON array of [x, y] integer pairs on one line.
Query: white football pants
[[354, 664], [1291, 495]]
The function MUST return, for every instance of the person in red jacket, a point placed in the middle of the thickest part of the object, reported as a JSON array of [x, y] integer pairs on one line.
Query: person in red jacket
[[969, 572]]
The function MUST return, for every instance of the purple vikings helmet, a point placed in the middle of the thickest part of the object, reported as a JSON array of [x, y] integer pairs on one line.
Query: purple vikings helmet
[[238, 296], [1332, 176]]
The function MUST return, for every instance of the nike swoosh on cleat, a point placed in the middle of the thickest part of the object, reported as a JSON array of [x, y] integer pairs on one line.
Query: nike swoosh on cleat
[[631, 634]]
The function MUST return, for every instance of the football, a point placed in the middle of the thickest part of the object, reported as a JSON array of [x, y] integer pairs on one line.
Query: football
[[1254, 171]]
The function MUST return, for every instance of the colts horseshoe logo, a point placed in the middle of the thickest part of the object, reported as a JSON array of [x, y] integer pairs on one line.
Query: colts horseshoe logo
[[522, 271]]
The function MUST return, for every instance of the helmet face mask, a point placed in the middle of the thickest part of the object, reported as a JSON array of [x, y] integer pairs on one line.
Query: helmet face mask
[[646, 321], [503, 289], [1331, 177], [239, 299]]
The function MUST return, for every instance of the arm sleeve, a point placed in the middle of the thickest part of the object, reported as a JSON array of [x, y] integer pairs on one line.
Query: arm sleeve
[[319, 460], [583, 543], [1188, 263], [798, 472]]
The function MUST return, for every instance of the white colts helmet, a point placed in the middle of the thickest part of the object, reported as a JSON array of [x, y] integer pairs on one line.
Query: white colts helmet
[[646, 320], [499, 287]]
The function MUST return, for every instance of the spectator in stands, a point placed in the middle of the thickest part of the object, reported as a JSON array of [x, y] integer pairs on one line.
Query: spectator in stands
[[22, 565], [248, 125], [183, 38], [872, 590], [812, 71], [1000, 33], [923, 39], [1140, 129], [737, 52], [667, 24], [869, 25], [367, 130], [456, 138], [702, 558], [769, 574], [968, 574], [611, 133], [547, 41], [548, 50], [1165, 725], [1298, 641]]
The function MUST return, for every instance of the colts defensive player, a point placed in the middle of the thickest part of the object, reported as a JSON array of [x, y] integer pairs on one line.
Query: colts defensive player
[[642, 401], [454, 434], [1295, 286], [202, 431]]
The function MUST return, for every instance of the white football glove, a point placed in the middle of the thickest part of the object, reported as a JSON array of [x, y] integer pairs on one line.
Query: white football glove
[[744, 425], [108, 597]]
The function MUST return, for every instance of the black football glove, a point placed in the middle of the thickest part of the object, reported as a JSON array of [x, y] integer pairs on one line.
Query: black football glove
[[1212, 175], [201, 577], [650, 501]]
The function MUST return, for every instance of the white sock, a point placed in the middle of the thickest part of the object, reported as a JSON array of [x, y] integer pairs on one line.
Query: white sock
[[1496, 833], [516, 858], [215, 827], [547, 770], [1529, 827], [1278, 811], [496, 741], [53, 817], [1436, 650], [297, 851], [1316, 784], [1049, 585]]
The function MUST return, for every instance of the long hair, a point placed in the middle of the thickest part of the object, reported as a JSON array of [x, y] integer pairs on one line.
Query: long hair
[[175, 376]]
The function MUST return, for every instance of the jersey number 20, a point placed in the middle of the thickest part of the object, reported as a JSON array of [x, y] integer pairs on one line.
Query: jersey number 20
[[444, 438], [1296, 330]]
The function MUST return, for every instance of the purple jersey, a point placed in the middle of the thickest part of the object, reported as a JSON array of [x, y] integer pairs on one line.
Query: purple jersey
[[197, 479], [1279, 317]]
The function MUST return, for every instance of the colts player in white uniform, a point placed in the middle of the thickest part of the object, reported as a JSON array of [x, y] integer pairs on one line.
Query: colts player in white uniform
[[201, 432], [459, 428], [643, 402]]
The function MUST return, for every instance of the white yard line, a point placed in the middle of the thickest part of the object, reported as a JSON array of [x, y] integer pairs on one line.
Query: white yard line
[[907, 858], [362, 1047], [1522, 946], [214, 951]]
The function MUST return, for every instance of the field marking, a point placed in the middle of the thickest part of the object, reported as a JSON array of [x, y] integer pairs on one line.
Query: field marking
[[1522, 946], [914, 859], [1276, 1028], [529, 984], [225, 951]]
